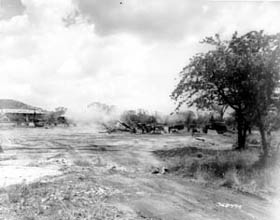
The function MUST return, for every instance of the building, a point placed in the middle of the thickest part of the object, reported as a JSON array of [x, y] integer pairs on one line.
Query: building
[[13, 112]]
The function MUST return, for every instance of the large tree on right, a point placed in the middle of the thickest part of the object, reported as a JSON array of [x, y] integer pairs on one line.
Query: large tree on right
[[242, 73]]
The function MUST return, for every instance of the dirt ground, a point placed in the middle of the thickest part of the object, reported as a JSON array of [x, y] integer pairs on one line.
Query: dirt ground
[[89, 175]]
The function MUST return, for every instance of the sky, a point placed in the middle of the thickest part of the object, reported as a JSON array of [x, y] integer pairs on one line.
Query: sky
[[126, 53]]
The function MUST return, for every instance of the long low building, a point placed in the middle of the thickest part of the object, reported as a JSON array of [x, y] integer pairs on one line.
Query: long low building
[[13, 112]]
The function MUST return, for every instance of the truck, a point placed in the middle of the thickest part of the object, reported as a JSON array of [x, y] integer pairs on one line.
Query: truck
[[219, 126]]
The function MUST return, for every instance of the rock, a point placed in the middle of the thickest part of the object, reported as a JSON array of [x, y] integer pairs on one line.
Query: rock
[[81, 178], [113, 168], [155, 170]]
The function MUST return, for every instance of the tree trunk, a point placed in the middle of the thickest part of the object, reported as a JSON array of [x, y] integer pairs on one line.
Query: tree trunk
[[264, 142], [241, 129], [249, 129], [222, 115], [241, 140], [222, 111]]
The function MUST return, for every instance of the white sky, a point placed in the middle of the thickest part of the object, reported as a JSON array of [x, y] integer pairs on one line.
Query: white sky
[[74, 52]]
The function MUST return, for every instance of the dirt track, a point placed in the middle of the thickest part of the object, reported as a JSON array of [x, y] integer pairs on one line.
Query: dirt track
[[123, 163]]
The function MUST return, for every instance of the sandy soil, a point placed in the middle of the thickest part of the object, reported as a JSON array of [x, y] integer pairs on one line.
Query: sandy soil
[[124, 164]]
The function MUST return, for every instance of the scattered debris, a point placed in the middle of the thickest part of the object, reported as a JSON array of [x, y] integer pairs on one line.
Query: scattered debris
[[228, 205], [117, 168], [144, 128], [200, 139], [157, 170], [164, 170]]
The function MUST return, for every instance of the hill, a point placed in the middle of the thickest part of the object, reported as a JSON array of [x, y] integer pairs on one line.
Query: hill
[[13, 104]]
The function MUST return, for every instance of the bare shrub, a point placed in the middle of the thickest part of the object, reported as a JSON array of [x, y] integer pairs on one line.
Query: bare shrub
[[231, 178], [19, 193]]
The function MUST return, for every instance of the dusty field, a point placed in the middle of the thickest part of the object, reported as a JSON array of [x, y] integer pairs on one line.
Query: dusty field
[[80, 174]]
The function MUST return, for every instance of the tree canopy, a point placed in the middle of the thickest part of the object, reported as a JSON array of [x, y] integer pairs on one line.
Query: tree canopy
[[242, 73]]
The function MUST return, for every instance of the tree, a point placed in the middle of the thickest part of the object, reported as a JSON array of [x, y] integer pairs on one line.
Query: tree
[[133, 117], [242, 73], [220, 109], [188, 117], [52, 117], [184, 117], [60, 110]]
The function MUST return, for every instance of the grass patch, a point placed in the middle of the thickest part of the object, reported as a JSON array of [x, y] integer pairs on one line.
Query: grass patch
[[228, 168], [74, 196]]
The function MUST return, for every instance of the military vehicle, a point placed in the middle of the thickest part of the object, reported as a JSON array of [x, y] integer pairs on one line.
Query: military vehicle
[[219, 126]]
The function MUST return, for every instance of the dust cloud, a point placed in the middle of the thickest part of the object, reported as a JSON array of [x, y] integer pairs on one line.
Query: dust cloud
[[95, 114]]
